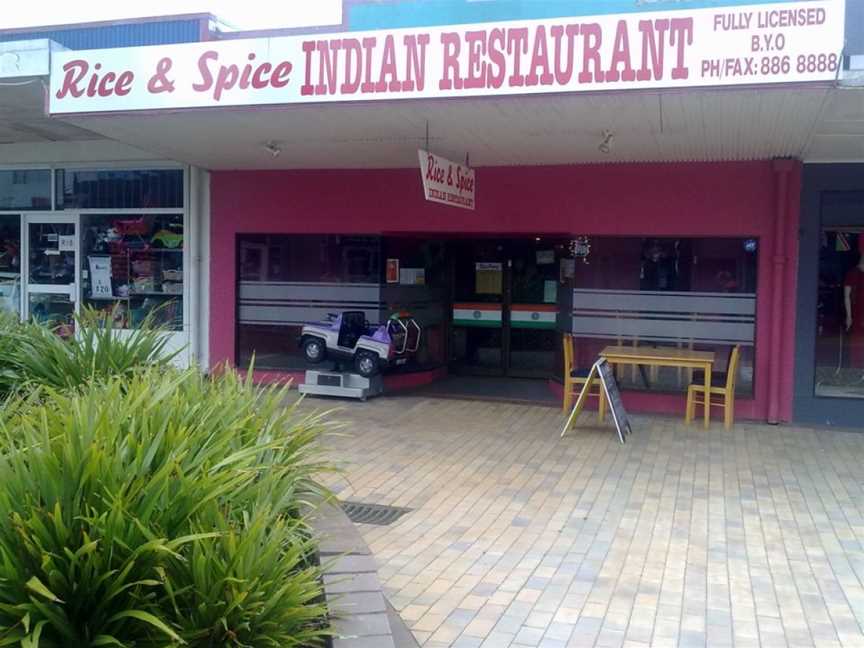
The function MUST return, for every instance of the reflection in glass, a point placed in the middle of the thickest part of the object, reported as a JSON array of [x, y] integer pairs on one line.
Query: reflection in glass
[[51, 309], [684, 293], [840, 315], [10, 264], [25, 189], [119, 189], [319, 258]]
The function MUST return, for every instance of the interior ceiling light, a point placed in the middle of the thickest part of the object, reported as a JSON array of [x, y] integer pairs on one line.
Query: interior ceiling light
[[606, 143], [272, 148]]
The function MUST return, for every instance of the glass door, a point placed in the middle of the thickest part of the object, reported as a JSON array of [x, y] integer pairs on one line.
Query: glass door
[[505, 306], [51, 289], [533, 339], [479, 296]]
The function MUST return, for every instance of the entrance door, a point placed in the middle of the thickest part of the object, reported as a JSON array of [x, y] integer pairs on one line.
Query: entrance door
[[50, 287], [533, 337], [478, 306], [505, 306]]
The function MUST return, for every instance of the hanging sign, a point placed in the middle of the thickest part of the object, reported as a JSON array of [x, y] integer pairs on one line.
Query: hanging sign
[[778, 42], [602, 371], [445, 181]]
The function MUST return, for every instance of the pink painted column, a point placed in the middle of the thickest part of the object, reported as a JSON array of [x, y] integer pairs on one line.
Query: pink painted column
[[782, 169]]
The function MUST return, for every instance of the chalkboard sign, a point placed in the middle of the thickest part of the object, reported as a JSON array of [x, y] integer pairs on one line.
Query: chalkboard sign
[[602, 371], [613, 396]]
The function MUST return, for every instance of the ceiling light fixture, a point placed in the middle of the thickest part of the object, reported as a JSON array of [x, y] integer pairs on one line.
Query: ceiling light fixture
[[272, 148], [606, 143]]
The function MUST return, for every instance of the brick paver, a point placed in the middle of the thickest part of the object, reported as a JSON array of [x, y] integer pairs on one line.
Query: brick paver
[[680, 538]]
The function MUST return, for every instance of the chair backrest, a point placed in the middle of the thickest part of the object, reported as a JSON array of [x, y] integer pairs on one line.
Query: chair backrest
[[732, 369], [568, 354]]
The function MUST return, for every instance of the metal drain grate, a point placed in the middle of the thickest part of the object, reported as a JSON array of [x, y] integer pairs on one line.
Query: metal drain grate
[[363, 513]]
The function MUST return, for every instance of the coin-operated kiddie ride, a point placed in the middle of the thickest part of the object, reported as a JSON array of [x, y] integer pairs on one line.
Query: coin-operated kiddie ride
[[359, 352]]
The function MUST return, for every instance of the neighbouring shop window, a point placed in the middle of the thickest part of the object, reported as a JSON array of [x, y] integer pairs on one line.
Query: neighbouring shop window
[[687, 293], [132, 266], [839, 351], [10, 264], [25, 189], [119, 189]]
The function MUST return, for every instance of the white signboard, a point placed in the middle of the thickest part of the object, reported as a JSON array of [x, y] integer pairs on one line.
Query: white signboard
[[66, 243], [445, 181], [100, 276], [789, 42]]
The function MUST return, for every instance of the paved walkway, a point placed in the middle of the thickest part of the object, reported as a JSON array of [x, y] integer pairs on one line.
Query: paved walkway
[[680, 538]]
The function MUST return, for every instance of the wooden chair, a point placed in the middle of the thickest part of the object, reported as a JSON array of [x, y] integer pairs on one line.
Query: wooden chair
[[574, 378], [722, 386]]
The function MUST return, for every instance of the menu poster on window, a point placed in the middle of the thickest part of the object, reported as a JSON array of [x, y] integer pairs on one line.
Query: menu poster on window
[[550, 292], [67, 243], [568, 269], [412, 276], [100, 276], [545, 257], [392, 270], [488, 278]]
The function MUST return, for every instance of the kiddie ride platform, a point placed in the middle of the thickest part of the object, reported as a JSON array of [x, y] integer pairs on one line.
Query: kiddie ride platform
[[343, 384]]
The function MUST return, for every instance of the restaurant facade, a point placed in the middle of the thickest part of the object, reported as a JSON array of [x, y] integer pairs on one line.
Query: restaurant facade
[[635, 180]]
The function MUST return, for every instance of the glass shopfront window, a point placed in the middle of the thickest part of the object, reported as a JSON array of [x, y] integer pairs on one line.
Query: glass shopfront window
[[119, 189], [25, 189], [829, 344], [288, 280], [686, 293], [132, 266], [10, 263], [840, 314], [128, 260], [310, 258]]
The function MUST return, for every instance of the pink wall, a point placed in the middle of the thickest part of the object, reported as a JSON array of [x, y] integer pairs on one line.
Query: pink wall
[[696, 199]]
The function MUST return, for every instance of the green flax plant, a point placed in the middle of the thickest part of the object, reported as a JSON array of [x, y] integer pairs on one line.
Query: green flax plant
[[32, 354], [159, 508]]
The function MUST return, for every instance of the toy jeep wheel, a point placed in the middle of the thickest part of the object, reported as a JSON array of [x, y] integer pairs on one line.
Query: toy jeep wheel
[[313, 350], [366, 363]]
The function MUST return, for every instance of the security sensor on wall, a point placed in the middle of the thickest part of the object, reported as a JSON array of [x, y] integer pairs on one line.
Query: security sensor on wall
[[272, 148], [606, 143]]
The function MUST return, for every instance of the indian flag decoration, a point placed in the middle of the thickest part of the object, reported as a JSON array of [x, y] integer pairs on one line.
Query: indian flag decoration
[[540, 316], [482, 315]]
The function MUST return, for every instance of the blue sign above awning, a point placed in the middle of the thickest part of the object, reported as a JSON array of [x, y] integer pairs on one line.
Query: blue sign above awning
[[411, 13]]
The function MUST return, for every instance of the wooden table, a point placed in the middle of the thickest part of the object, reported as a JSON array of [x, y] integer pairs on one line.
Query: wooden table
[[661, 357]]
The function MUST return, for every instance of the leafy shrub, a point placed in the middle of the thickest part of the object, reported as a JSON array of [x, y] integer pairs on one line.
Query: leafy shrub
[[157, 510], [10, 338], [32, 354]]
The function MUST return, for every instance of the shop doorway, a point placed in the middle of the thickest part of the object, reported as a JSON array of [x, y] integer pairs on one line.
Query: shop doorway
[[505, 306], [51, 260]]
